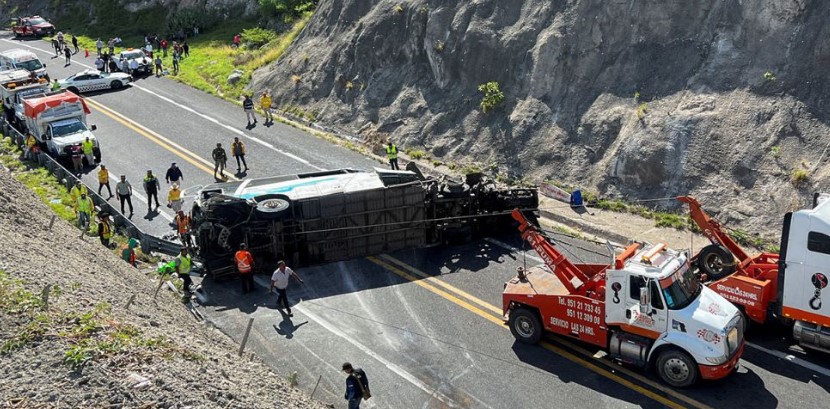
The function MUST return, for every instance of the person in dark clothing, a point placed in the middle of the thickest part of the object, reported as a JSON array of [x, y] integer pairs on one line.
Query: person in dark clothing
[[68, 53], [186, 49], [174, 174], [357, 385], [151, 187], [57, 46], [106, 57], [75, 43], [113, 65], [220, 159]]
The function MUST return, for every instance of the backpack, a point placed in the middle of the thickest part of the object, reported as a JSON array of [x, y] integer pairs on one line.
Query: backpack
[[362, 383]]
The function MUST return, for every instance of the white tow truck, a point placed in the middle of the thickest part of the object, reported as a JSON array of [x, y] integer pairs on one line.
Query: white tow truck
[[14, 84], [58, 121]]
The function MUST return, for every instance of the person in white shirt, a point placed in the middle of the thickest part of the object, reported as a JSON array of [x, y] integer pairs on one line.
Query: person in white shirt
[[279, 280], [134, 67]]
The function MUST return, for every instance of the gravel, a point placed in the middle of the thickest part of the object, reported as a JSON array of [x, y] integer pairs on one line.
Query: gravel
[[183, 373]]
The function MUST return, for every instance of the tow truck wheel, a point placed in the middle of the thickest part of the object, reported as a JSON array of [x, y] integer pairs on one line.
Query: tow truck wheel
[[716, 262], [676, 368], [525, 325]]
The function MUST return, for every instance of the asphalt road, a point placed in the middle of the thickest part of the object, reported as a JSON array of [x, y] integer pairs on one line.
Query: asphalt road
[[424, 323]]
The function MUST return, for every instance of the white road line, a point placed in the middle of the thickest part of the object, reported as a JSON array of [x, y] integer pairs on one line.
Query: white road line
[[793, 359], [778, 354], [193, 111], [434, 393]]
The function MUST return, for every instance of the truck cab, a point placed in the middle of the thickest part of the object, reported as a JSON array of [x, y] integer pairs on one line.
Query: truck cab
[[658, 298], [804, 271], [58, 121], [20, 59]]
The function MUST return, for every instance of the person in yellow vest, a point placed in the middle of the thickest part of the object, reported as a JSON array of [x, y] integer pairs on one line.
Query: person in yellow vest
[[392, 154], [89, 148], [265, 103], [105, 228], [84, 207], [32, 148], [104, 180], [184, 264], [174, 198], [76, 191]]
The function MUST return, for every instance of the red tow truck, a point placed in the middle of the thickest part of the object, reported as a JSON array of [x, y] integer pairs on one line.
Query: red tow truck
[[645, 308], [786, 287]]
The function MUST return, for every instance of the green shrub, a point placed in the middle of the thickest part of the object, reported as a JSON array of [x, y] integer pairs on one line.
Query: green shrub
[[185, 19], [493, 96], [642, 109], [769, 76], [257, 37], [286, 8], [416, 154], [776, 151], [799, 176]]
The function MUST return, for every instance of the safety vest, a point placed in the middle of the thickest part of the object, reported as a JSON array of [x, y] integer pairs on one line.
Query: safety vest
[[184, 264], [392, 151], [85, 205], [76, 191], [87, 146], [265, 102], [174, 195], [31, 141], [103, 176], [182, 224], [106, 231], [244, 261]]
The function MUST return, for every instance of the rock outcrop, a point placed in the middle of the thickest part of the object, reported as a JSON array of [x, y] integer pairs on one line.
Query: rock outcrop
[[729, 99]]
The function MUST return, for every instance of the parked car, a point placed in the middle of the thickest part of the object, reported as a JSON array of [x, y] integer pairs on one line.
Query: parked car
[[94, 80], [36, 26], [145, 64]]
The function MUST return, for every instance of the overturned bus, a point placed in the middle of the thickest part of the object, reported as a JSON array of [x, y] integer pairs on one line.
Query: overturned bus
[[337, 215]]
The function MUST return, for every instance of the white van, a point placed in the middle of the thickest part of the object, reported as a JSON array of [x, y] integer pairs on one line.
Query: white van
[[24, 60]]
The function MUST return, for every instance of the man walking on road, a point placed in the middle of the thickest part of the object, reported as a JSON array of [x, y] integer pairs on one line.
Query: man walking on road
[[104, 180], [220, 160], [265, 103], [75, 43], [244, 261], [279, 280], [151, 187], [68, 53], [357, 385], [248, 106], [124, 191], [174, 174], [238, 151], [392, 154]]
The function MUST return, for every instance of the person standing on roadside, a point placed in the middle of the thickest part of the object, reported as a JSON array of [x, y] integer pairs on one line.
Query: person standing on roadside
[[88, 148], [159, 68], [186, 48], [175, 62], [392, 154], [84, 207], [244, 261], [183, 228], [68, 53], [357, 385], [220, 159], [128, 252], [174, 198], [99, 64], [279, 280], [75, 43], [99, 45], [184, 264], [124, 192], [151, 187], [76, 152], [248, 107], [134, 67], [111, 45], [60, 39], [57, 46], [163, 45], [104, 228], [32, 148], [106, 57], [76, 191], [265, 103], [238, 152], [104, 180], [174, 174]]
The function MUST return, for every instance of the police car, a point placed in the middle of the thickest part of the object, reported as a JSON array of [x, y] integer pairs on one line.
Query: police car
[[94, 80], [145, 64]]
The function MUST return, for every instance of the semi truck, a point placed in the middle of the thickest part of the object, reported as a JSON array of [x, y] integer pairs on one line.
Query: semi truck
[[329, 216], [58, 121], [645, 308], [784, 287]]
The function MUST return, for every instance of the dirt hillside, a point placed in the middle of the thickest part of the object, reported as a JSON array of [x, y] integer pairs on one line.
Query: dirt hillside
[[87, 350], [723, 99]]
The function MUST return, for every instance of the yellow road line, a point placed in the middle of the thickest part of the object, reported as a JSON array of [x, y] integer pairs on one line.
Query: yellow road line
[[545, 344], [160, 140]]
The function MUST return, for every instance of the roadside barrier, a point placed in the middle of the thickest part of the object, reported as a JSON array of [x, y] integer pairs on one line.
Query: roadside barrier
[[149, 243]]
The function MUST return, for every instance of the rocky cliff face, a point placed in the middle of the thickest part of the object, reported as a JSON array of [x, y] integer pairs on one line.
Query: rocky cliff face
[[734, 91]]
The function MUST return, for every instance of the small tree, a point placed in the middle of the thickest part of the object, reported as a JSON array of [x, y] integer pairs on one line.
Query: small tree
[[492, 96]]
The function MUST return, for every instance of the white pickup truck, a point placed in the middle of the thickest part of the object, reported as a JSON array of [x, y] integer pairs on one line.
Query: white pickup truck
[[58, 121]]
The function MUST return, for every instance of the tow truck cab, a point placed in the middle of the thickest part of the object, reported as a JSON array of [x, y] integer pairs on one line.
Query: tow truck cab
[[803, 274]]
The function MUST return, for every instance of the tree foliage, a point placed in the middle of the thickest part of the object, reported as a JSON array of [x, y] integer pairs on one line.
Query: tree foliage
[[492, 96]]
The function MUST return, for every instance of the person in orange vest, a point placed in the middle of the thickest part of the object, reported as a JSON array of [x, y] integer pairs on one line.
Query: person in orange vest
[[244, 261], [104, 180], [183, 228], [105, 228]]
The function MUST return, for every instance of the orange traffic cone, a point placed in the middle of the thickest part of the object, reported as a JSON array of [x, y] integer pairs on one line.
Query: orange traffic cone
[[86, 53]]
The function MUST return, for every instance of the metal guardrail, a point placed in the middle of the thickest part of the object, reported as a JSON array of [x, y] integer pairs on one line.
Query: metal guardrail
[[149, 243]]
